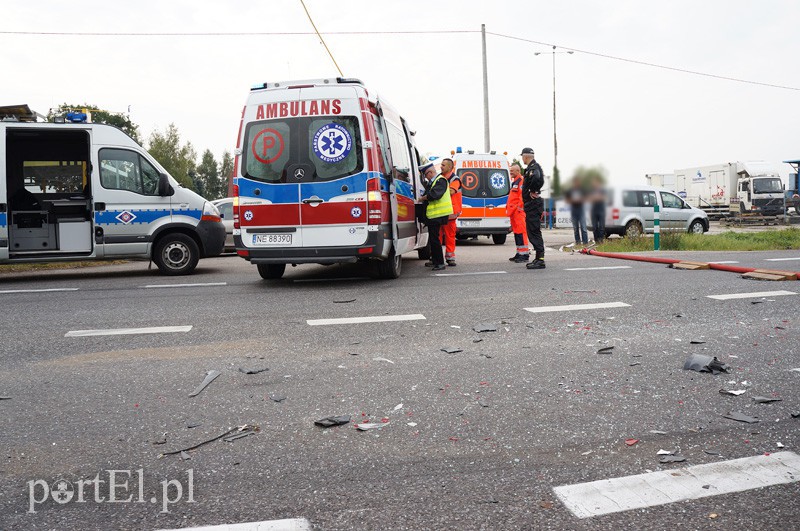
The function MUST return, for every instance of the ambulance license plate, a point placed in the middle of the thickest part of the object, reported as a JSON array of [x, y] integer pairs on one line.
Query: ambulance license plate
[[470, 222], [272, 239]]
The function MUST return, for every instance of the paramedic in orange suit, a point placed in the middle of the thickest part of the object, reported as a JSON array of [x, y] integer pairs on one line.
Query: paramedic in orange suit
[[448, 235], [516, 212]]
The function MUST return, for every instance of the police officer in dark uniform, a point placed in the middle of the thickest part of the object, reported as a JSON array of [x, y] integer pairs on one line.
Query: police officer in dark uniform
[[534, 205]]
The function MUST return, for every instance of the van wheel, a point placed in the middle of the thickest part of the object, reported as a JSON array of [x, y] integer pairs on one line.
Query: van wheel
[[176, 254], [499, 239], [271, 271], [390, 268], [696, 227], [633, 229]]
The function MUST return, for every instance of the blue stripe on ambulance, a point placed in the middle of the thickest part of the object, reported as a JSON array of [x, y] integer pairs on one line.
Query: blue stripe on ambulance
[[3, 219], [496, 201], [287, 193], [111, 217], [277, 193]]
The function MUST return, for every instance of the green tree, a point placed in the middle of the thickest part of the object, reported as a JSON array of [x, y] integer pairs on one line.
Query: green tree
[[225, 173], [179, 160], [207, 177], [99, 116]]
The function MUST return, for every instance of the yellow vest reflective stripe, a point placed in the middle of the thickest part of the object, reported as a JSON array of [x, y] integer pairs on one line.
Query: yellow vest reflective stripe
[[441, 207]]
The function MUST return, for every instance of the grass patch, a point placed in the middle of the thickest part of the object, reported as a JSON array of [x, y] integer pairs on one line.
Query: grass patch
[[768, 240], [47, 266]]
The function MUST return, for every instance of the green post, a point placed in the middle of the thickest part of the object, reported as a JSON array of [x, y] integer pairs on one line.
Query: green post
[[656, 229]]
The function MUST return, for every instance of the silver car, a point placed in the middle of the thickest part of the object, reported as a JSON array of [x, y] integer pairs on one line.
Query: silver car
[[630, 212], [225, 207]]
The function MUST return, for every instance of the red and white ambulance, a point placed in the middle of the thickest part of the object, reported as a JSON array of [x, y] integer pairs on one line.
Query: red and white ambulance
[[485, 185], [325, 173]]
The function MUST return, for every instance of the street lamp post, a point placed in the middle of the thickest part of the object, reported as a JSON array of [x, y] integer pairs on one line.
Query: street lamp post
[[556, 180]]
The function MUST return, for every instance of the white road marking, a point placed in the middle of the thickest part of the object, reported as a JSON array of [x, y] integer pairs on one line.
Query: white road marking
[[466, 274], [750, 295], [782, 259], [725, 262], [152, 286], [128, 331], [289, 524], [37, 290], [571, 307], [679, 484], [359, 320], [596, 268]]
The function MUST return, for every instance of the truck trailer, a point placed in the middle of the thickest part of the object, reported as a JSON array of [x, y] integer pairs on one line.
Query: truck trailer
[[732, 188]]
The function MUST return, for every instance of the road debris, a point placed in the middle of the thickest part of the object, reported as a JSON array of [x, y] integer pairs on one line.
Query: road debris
[[162, 439], [275, 397], [239, 436], [185, 456], [412, 424], [741, 417], [398, 407], [451, 350], [383, 359], [732, 392], [779, 445], [765, 399], [210, 377], [343, 301], [605, 350], [238, 429], [365, 426], [484, 327], [631, 442], [252, 371], [703, 363], [672, 459], [696, 342], [665, 452], [5, 398], [658, 432], [477, 340], [795, 415], [329, 422]]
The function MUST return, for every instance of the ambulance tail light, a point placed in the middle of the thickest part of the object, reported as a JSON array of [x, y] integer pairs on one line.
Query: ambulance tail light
[[615, 214], [236, 207], [373, 202]]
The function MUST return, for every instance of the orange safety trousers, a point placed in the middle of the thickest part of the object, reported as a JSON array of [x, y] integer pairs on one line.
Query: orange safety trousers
[[448, 236]]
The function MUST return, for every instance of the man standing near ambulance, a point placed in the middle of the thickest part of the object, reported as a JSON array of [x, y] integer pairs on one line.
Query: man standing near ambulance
[[534, 205], [437, 211], [449, 229], [516, 213]]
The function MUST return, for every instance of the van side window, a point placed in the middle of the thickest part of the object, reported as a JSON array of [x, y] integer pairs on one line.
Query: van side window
[[400, 155], [630, 198], [121, 169], [647, 199], [671, 201], [383, 157]]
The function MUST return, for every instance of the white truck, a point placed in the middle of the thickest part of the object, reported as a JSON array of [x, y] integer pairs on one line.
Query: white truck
[[661, 180], [732, 188]]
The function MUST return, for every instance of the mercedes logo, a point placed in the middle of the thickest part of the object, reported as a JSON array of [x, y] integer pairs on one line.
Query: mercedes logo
[[299, 173]]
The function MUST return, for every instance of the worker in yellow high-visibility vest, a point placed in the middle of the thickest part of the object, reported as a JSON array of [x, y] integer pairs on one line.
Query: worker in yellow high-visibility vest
[[437, 211]]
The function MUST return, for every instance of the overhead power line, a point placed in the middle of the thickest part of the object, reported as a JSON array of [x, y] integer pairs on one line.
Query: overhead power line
[[645, 63], [422, 32], [320, 38]]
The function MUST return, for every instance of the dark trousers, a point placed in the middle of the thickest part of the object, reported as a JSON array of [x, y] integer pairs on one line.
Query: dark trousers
[[437, 256], [598, 214], [533, 223]]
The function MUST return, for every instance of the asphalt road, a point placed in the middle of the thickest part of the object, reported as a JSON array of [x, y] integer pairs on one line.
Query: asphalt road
[[475, 439]]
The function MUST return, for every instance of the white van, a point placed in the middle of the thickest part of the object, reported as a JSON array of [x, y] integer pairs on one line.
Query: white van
[[630, 212], [325, 172], [84, 191]]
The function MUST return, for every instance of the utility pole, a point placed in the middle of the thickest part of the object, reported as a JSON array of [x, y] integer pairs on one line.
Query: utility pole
[[486, 143]]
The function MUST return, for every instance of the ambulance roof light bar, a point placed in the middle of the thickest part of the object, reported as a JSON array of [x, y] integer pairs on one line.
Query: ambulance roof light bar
[[302, 83]]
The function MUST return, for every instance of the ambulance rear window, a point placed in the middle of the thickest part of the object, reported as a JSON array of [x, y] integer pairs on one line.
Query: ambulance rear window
[[484, 182], [302, 149]]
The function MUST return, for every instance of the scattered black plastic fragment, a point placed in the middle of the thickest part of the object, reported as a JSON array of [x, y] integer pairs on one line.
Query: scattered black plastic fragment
[[210, 377], [5, 398], [765, 399], [741, 417], [277, 398], [672, 459], [703, 363], [252, 371], [451, 350], [484, 327], [477, 340], [795, 415], [344, 301], [696, 342], [329, 422], [240, 429], [605, 350], [238, 436]]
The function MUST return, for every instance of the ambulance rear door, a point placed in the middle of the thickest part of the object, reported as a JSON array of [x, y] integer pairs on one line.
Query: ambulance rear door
[[473, 198]]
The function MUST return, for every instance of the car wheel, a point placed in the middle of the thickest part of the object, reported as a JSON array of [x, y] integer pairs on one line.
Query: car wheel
[[499, 239], [633, 229], [271, 271], [391, 267], [176, 254], [696, 227]]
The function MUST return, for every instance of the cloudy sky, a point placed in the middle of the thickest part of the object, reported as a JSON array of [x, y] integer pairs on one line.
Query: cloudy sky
[[630, 118]]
